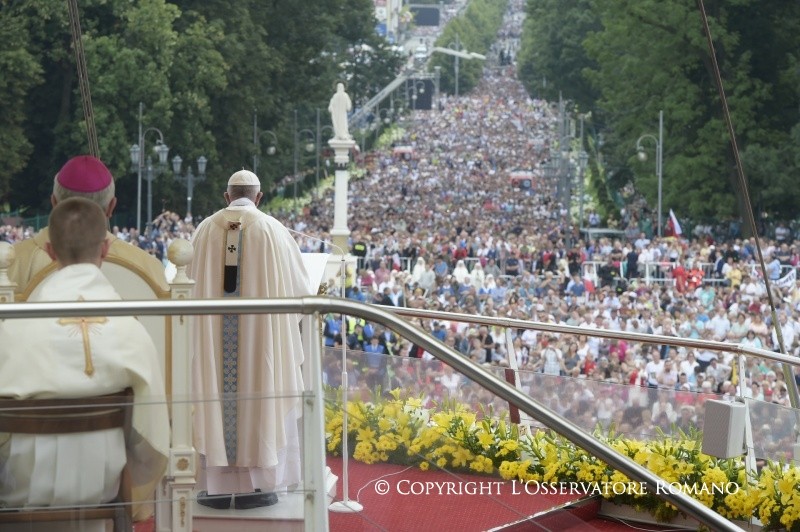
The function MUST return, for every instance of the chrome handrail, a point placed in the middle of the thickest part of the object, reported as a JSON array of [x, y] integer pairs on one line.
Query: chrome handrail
[[680, 341], [318, 304]]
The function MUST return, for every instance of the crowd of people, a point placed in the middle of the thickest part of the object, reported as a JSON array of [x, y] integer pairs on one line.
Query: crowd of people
[[444, 227]]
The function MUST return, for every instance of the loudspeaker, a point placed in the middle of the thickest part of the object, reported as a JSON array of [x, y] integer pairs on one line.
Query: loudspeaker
[[723, 429]]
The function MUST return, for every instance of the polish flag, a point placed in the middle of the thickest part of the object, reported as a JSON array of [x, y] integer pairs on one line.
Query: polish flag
[[673, 227]]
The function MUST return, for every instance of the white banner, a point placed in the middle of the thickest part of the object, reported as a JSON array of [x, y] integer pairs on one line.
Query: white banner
[[787, 281]]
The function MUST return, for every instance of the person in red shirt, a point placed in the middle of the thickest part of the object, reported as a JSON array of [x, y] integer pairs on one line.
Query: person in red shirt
[[695, 278], [680, 275], [588, 365]]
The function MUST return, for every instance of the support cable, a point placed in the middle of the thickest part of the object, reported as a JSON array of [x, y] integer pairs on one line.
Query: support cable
[[83, 77], [788, 373]]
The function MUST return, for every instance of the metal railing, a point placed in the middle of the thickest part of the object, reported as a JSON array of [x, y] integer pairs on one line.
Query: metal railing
[[316, 305], [649, 272]]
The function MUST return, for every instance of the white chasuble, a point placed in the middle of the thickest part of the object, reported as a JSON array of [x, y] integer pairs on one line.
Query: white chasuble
[[247, 376]]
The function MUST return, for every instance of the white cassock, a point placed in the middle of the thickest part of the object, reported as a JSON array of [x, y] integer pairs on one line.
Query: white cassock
[[47, 357], [252, 443]]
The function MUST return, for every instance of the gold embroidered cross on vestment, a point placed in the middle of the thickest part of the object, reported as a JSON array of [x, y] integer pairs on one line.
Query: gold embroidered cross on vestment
[[86, 325]]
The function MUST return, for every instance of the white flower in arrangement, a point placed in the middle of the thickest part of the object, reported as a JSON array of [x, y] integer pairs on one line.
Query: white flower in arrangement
[[413, 407]]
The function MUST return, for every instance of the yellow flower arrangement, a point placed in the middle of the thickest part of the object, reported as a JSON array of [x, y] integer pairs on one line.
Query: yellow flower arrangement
[[402, 430]]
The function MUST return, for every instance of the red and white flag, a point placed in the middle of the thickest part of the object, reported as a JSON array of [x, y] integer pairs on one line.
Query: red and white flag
[[673, 227]]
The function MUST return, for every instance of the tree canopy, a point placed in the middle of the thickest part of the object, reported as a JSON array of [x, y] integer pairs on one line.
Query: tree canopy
[[625, 60], [474, 31], [202, 71]]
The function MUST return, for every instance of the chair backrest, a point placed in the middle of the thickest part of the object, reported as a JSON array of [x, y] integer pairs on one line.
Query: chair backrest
[[131, 282], [66, 416]]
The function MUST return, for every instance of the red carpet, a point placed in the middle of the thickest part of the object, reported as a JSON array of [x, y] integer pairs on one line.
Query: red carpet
[[399, 510]]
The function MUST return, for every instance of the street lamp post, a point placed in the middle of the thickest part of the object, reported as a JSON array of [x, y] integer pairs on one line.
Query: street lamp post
[[457, 49], [458, 53], [565, 178], [642, 155], [257, 142], [417, 88], [309, 147], [318, 143], [150, 173], [561, 167], [436, 79], [189, 179], [583, 159], [384, 118], [137, 159]]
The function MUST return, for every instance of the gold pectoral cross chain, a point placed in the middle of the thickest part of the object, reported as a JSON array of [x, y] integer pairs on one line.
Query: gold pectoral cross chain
[[85, 325]]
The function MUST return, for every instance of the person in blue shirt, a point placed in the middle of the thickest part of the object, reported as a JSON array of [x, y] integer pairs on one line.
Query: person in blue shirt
[[774, 268], [440, 268], [333, 327], [375, 361], [439, 331]]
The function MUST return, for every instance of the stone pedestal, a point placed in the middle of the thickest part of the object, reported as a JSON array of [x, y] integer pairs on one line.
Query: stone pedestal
[[340, 232]]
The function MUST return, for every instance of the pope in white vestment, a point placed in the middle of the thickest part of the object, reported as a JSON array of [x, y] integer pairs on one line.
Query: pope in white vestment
[[251, 443], [47, 358]]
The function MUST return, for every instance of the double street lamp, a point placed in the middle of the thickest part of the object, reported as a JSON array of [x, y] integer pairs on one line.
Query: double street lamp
[[561, 168], [455, 50], [257, 142], [417, 88], [149, 172], [309, 146], [642, 155], [318, 142], [383, 117], [189, 179], [583, 159], [313, 143], [457, 47]]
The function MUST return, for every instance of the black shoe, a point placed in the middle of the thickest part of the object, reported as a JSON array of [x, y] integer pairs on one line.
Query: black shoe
[[248, 501], [218, 502]]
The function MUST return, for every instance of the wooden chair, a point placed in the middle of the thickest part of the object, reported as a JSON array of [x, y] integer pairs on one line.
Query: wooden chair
[[67, 416], [171, 335]]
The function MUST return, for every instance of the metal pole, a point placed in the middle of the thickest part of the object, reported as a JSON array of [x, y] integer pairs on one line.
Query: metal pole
[[565, 186], [255, 142], [139, 173], [582, 178], [294, 175], [557, 172], [189, 191], [437, 76], [659, 161], [458, 49], [317, 142], [150, 176]]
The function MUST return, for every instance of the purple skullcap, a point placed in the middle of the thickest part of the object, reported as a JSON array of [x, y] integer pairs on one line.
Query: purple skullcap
[[84, 173]]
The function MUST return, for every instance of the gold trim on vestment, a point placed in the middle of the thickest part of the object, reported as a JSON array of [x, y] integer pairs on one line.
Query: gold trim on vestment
[[125, 263]]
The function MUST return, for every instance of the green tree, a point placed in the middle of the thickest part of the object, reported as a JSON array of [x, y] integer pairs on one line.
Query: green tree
[[21, 72], [626, 60], [552, 57], [474, 31], [200, 69]]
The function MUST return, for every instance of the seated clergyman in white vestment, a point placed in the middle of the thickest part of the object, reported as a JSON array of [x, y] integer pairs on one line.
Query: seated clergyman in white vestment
[[250, 447], [80, 357]]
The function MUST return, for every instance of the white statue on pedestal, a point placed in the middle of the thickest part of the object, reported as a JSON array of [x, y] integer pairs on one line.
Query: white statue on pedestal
[[338, 108]]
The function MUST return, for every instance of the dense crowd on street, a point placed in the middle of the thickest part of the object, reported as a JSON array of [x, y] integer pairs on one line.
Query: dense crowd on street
[[443, 227]]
